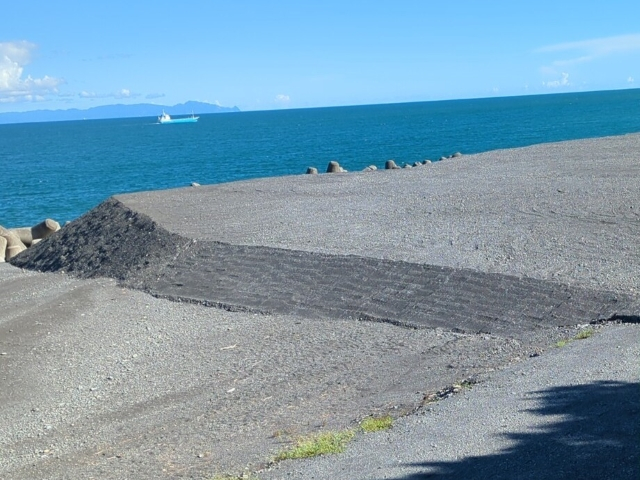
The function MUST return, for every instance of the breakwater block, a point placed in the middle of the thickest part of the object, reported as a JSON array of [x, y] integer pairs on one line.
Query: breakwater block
[[14, 245], [114, 241], [391, 165], [334, 167], [17, 240], [38, 232]]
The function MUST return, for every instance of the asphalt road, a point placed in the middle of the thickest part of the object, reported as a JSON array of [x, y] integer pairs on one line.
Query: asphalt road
[[571, 413]]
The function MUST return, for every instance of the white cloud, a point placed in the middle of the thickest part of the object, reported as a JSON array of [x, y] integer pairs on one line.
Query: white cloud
[[85, 94], [630, 80], [588, 50], [13, 87], [123, 93], [120, 94], [562, 82], [151, 96], [282, 99]]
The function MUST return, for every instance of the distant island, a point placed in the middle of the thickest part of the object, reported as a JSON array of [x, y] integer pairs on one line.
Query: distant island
[[113, 111]]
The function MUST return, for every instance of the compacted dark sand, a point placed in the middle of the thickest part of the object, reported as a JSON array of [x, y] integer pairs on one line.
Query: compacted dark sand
[[335, 297]]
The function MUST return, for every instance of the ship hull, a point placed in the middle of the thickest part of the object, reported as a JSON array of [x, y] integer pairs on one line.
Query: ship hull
[[181, 120]]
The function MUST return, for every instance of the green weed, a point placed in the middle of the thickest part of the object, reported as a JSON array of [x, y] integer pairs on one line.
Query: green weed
[[374, 424], [318, 444], [585, 334]]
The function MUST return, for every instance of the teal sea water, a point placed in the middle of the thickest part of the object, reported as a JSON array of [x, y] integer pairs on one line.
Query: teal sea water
[[61, 170]]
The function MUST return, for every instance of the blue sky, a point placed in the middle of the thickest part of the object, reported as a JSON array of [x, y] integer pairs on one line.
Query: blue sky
[[293, 54]]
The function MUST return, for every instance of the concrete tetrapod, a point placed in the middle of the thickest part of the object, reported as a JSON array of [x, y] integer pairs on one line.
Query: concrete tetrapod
[[16, 240], [391, 165], [42, 230], [334, 167], [14, 244]]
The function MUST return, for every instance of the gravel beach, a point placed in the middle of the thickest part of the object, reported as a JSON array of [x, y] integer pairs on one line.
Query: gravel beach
[[194, 332]]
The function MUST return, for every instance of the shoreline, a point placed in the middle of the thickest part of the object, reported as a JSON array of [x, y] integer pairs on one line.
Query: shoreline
[[349, 137]]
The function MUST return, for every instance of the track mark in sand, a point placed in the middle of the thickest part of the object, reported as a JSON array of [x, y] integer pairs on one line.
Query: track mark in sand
[[311, 285]]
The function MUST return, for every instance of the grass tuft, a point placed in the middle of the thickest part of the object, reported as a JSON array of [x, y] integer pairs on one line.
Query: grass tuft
[[319, 444], [585, 334], [582, 334], [374, 424]]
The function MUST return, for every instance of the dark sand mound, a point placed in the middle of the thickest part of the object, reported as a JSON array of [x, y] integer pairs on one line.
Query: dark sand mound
[[114, 241], [109, 241]]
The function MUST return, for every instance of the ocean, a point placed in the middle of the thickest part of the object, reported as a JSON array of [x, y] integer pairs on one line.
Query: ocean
[[61, 170]]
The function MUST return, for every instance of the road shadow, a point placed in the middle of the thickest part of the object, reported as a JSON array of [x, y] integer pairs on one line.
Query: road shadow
[[597, 437]]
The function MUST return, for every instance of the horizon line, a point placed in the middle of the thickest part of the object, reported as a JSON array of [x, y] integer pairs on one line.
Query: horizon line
[[238, 110]]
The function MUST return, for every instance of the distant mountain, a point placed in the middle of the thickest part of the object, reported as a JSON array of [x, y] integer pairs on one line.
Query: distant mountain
[[113, 111]]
